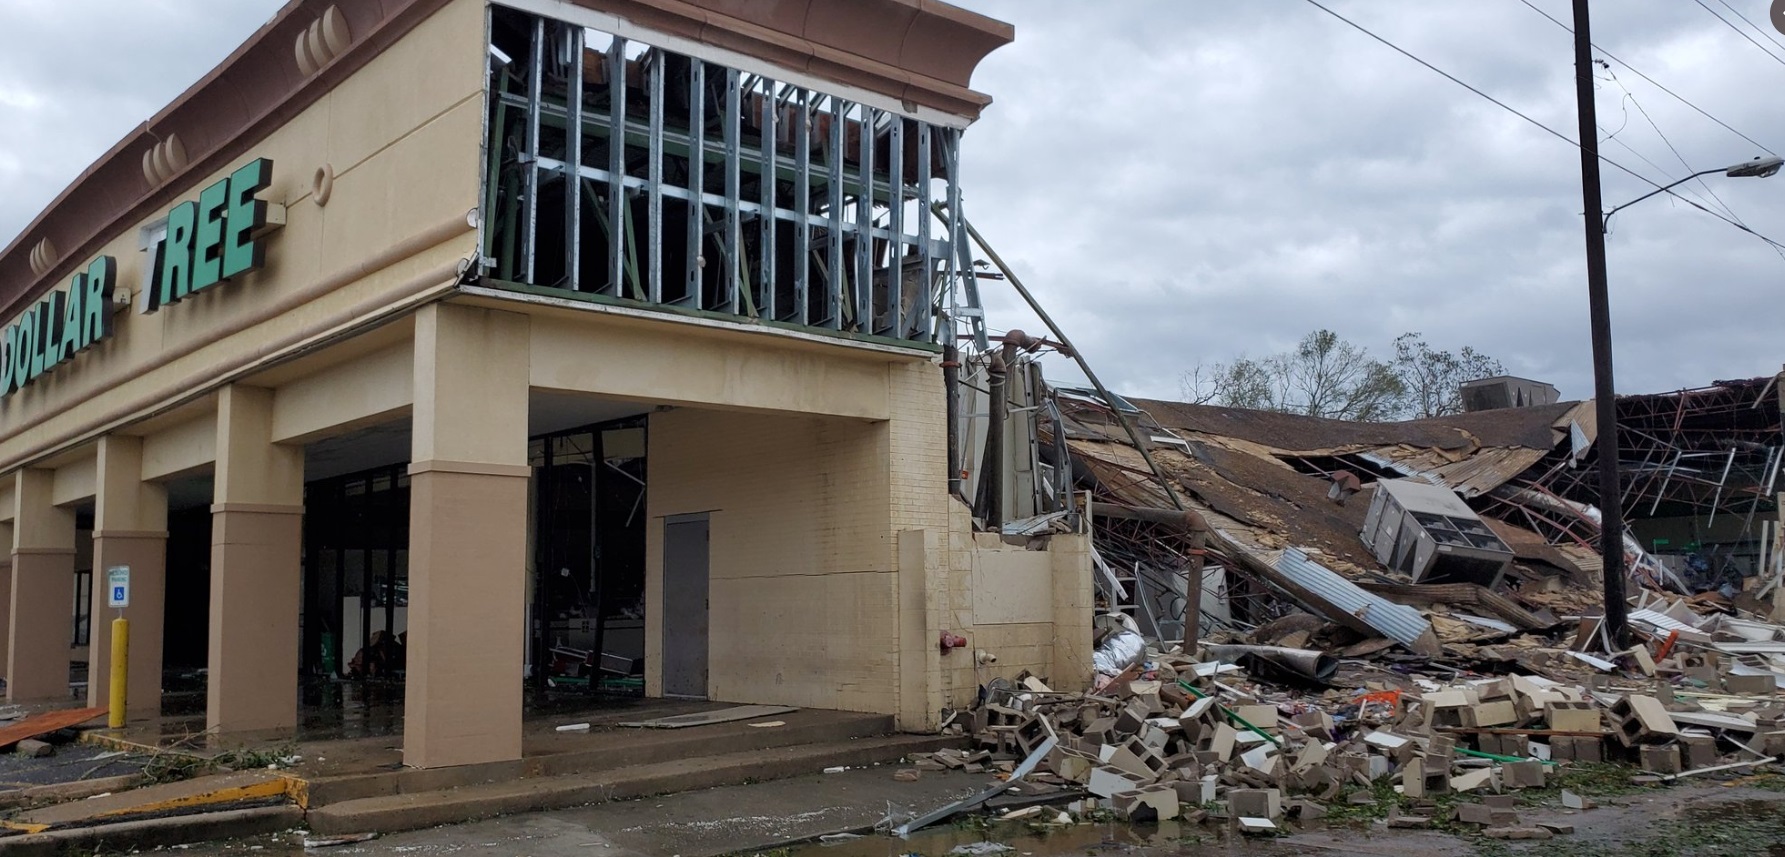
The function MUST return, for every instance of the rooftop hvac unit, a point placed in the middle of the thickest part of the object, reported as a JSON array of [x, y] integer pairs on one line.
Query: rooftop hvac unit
[[1427, 532], [1505, 391]]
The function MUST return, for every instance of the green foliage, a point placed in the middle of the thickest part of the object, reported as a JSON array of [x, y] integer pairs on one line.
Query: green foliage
[[1325, 376], [1433, 380]]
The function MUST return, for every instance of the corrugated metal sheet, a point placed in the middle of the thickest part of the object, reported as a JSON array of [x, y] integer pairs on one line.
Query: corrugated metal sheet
[[1398, 622], [1472, 476]]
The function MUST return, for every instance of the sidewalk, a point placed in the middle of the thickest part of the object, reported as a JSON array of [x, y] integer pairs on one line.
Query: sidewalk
[[694, 824]]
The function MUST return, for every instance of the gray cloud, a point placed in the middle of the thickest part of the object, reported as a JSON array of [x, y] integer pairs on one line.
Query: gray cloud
[[1186, 182]]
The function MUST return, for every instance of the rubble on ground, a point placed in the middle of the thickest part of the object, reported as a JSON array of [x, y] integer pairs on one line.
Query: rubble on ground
[[1233, 732]]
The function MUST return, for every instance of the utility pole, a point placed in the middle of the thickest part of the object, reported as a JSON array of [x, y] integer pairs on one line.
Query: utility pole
[[1611, 515]]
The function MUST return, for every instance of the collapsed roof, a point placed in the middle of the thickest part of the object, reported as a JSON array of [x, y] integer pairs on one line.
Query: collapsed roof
[[1276, 491]]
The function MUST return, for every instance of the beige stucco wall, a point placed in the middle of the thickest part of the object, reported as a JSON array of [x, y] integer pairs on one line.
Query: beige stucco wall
[[1029, 604], [404, 148], [799, 554], [837, 559]]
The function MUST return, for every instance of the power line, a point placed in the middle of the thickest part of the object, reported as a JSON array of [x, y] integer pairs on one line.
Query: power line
[[1738, 31], [1757, 28], [1670, 147], [1551, 131], [1652, 82]]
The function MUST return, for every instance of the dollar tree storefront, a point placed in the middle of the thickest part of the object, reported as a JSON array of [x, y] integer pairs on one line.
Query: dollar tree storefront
[[458, 346]]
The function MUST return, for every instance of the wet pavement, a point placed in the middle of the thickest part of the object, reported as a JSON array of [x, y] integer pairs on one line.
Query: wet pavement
[[1700, 820], [71, 762]]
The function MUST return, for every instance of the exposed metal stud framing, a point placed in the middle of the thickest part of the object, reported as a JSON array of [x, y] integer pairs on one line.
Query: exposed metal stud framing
[[765, 246], [864, 226], [616, 165], [697, 141], [573, 153], [734, 238], [535, 91], [895, 289], [855, 260], [802, 201], [926, 314], [654, 183], [834, 269]]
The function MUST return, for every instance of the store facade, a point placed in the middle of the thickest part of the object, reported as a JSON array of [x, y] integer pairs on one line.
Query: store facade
[[432, 339]]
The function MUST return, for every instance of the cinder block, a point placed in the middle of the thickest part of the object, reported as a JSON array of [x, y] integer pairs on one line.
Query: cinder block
[[1573, 717], [1662, 759], [1698, 751], [1752, 685], [1155, 803], [1475, 813], [1261, 716], [1500, 712], [1522, 775], [1256, 803], [1643, 720], [1107, 782]]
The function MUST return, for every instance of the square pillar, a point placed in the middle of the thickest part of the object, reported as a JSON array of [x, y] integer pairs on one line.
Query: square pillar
[[6, 588], [41, 630], [467, 538], [1074, 609], [129, 529], [256, 569]]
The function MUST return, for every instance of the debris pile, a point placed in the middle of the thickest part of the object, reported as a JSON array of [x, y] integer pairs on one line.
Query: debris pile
[[1199, 736]]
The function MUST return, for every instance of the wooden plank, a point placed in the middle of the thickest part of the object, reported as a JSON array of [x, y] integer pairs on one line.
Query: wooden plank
[[43, 724]]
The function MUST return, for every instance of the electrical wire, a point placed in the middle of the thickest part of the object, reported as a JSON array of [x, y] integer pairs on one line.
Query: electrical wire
[[1670, 147], [1738, 31], [1757, 28], [1551, 131], [1652, 82]]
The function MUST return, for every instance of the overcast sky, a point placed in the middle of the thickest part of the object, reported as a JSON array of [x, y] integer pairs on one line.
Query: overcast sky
[[1184, 182]]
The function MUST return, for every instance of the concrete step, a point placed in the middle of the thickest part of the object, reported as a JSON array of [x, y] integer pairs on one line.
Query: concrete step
[[611, 751], [391, 813]]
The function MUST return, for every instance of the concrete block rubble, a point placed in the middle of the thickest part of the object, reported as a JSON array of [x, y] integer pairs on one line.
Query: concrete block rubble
[[1292, 735]]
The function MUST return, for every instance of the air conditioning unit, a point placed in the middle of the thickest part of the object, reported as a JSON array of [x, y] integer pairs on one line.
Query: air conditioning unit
[[1505, 391], [1427, 532]]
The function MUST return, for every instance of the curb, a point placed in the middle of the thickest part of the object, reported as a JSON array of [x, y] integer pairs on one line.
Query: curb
[[156, 832], [416, 811]]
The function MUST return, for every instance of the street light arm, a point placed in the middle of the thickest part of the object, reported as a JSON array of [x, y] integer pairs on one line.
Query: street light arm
[[1605, 222]]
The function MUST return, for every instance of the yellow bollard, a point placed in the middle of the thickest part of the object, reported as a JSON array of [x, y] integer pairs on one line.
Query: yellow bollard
[[120, 671]]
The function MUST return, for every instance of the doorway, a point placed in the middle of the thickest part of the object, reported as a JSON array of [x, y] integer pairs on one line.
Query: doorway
[[588, 587], [685, 611]]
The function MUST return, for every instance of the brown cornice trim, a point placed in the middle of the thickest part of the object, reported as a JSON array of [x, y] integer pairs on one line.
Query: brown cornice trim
[[256, 509], [471, 468], [215, 127], [918, 51]]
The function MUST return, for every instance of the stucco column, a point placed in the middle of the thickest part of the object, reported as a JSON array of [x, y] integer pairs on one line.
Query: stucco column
[[41, 628], [1074, 609], [6, 587], [467, 538], [129, 529], [256, 572]]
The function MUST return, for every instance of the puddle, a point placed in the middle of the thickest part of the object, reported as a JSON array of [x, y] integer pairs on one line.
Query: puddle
[[1111, 837]]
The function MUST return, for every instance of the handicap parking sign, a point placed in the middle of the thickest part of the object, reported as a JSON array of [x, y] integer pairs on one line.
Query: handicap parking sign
[[117, 581]]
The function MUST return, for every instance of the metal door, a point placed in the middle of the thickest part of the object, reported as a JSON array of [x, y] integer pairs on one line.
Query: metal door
[[685, 606]]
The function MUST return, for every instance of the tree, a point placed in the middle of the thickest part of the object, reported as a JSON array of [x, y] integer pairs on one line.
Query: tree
[[1433, 379], [1324, 376]]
